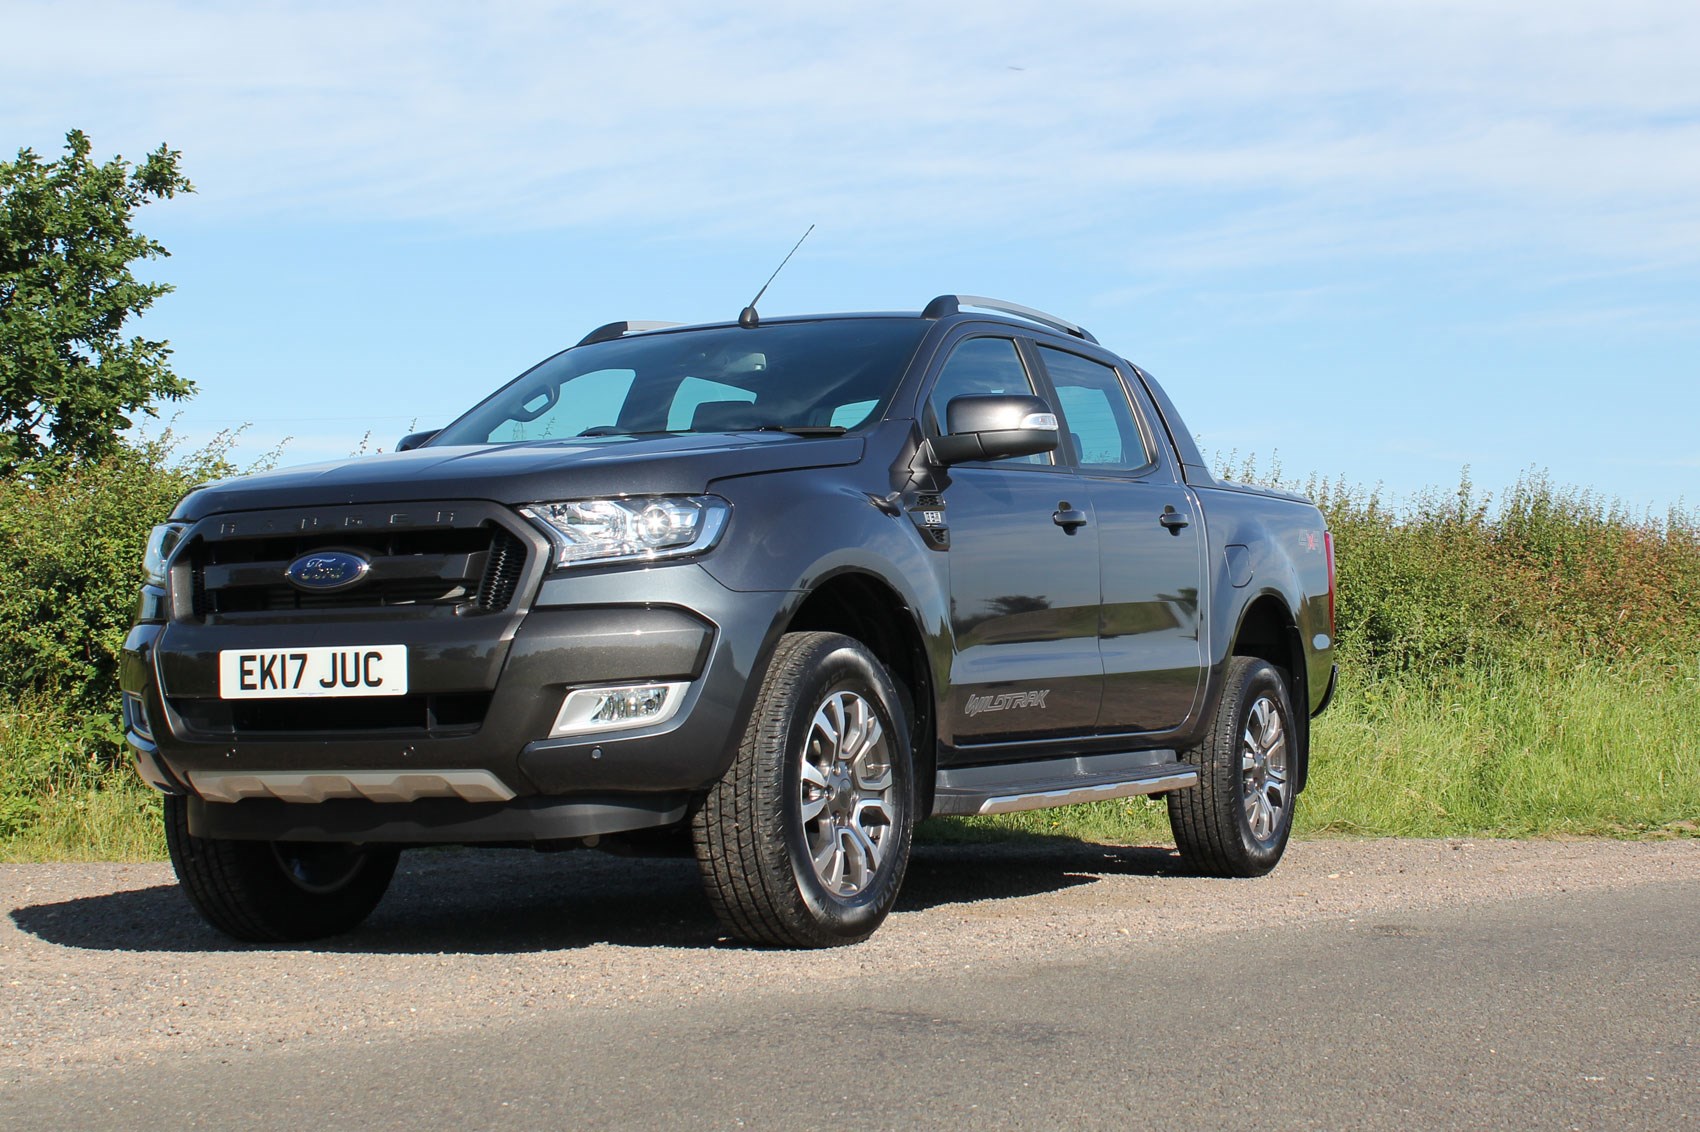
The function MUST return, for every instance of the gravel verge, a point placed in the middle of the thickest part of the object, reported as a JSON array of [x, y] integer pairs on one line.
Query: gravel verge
[[105, 964]]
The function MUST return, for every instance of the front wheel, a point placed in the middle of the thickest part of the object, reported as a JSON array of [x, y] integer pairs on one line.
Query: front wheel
[[1236, 821], [804, 841], [276, 891]]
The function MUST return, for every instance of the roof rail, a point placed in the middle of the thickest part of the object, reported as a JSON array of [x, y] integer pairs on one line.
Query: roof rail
[[953, 304], [610, 331]]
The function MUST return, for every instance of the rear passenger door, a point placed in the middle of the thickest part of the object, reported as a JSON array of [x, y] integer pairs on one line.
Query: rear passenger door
[[1150, 538], [1023, 587]]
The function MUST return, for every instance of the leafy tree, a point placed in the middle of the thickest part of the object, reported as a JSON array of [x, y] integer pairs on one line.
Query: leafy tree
[[71, 539], [68, 375]]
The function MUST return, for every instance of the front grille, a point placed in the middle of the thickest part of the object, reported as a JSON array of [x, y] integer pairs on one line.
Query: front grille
[[424, 715], [464, 570], [501, 574]]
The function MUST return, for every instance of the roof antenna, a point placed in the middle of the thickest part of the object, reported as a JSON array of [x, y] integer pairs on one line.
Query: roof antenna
[[748, 318]]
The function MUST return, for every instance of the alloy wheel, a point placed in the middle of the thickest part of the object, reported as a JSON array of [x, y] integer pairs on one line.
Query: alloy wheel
[[1263, 767], [848, 794]]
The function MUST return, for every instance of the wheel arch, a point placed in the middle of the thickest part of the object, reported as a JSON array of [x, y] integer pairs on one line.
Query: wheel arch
[[865, 607], [1268, 631]]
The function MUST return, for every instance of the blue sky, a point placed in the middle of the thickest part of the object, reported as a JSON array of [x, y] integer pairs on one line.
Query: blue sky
[[1383, 240]]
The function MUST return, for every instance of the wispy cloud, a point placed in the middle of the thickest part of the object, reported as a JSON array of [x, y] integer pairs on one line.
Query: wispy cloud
[[1393, 129]]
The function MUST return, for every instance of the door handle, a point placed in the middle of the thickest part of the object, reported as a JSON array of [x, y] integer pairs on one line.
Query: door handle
[[1067, 517], [1173, 520]]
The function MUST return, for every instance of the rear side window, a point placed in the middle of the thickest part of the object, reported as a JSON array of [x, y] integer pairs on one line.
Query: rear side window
[[1094, 404]]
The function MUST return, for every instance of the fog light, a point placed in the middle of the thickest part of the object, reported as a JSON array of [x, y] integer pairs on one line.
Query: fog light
[[136, 715], [612, 709]]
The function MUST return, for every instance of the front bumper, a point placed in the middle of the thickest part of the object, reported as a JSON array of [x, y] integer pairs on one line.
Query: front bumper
[[487, 771]]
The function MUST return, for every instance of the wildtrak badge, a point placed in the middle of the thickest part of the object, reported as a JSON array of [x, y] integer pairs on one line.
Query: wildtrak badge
[[1007, 701]]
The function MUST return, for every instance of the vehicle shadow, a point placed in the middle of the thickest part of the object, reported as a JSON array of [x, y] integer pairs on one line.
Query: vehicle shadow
[[1021, 864], [465, 901]]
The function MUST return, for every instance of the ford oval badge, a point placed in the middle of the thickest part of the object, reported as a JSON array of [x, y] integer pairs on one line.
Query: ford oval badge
[[326, 570]]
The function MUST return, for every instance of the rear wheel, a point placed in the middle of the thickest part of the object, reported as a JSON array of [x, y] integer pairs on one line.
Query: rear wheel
[[805, 840], [276, 891], [1236, 821]]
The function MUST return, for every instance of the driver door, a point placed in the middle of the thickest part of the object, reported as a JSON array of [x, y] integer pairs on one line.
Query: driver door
[[1023, 583]]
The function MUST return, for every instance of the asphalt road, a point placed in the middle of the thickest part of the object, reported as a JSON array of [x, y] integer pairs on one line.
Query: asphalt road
[[1504, 1004]]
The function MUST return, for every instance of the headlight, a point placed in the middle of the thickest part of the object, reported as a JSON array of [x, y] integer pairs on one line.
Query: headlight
[[627, 530], [161, 542]]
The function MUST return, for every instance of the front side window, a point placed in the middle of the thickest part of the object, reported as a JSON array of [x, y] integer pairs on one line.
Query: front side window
[[826, 377], [1095, 406], [977, 367]]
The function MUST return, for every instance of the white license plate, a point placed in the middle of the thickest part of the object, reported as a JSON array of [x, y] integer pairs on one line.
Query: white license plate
[[338, 670]]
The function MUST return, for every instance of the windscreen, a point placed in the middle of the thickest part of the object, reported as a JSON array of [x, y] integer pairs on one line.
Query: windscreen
[[823, 377]]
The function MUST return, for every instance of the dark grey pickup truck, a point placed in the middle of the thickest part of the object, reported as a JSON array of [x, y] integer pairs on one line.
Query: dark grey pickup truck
[[775, 589]]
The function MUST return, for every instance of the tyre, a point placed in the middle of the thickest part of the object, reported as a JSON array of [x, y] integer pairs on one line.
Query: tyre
[[804, 841], [1236, 821], [276, 891]]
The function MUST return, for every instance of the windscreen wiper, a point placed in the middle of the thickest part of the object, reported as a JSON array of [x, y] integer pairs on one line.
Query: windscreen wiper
[[801, 429]]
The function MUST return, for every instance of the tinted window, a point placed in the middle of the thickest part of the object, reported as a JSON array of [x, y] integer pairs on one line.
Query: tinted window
[[589, 401], [981, 366], [854, 414], [694, 392], [836, 373], [1095, 406]]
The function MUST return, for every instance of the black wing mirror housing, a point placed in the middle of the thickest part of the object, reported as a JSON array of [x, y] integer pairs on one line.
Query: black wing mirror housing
[[996, 427], [414, 439]]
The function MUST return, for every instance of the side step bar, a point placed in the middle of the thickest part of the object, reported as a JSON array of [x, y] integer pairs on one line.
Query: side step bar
[[1008, 787]]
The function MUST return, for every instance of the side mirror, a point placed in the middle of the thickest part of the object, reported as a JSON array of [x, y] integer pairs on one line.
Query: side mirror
[[414, 439], [995, 428]]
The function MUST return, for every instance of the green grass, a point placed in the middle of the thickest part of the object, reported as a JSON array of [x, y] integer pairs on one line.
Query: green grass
[[1588, 749], [67, 792]]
